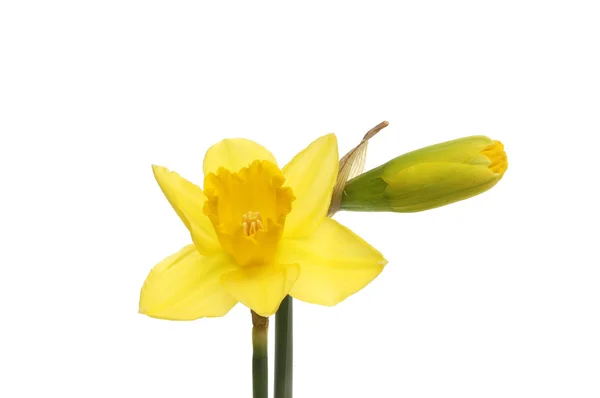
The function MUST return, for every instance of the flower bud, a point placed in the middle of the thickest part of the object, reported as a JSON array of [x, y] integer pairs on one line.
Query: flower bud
[[429, 177]]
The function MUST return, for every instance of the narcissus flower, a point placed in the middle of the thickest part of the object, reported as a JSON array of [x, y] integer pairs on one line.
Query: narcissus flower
[[429, 177], [259, 233]]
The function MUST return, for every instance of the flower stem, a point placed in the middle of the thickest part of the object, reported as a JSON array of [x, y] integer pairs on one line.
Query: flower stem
[[284, 349], [260, 367]]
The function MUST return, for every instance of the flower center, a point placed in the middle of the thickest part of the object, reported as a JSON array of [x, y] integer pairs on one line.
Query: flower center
[[248, 209], [251, 223]]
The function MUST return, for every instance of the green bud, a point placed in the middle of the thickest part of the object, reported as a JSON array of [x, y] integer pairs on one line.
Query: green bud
[[429, 177]]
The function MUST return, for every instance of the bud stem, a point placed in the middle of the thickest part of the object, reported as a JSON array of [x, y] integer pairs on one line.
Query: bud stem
[[284, 349], [260, 367]]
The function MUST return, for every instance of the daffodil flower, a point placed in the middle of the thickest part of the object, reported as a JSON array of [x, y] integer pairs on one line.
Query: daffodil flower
[[429, 177], [259, 233]]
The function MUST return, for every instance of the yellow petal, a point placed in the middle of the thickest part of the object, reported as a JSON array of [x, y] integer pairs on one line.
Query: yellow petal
[[311, 174], [233, 154], [188, 200], [334, 263], [261, 288], [186, 286]]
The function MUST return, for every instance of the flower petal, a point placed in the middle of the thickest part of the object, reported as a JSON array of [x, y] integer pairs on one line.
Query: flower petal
[[311, 174], [261, 288], [187, 200], [186, 286], [334, 263], [233, 154]]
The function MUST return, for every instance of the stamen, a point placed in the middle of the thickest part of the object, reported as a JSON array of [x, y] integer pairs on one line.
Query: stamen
[[251, 223]]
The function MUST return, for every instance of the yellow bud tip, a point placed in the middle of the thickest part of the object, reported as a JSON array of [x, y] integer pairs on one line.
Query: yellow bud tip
[[497, 157]]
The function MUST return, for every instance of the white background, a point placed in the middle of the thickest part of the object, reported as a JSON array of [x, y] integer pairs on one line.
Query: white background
[[497, 296]]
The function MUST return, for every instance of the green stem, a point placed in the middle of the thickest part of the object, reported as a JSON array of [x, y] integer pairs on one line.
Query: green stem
[[260, 367], [284, 349]]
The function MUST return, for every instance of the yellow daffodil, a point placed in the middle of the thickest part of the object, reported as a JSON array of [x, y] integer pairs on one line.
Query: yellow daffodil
[[259, 233], [429, 177]]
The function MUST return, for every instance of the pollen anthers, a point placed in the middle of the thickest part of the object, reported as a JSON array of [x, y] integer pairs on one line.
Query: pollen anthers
[[251, 223], [248, 209], [497, 157]]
